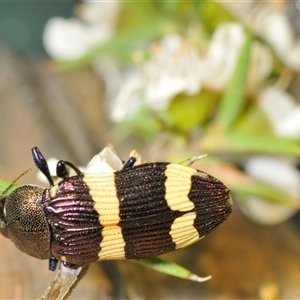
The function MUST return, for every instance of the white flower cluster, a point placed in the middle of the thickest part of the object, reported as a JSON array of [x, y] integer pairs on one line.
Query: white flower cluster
[[72, 38], [270, 21], [177, 65]]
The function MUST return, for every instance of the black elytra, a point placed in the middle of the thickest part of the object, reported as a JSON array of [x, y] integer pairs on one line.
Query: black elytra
[[137, 212]]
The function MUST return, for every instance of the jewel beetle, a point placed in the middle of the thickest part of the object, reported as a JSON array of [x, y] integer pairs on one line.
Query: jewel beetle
[[137, 212]]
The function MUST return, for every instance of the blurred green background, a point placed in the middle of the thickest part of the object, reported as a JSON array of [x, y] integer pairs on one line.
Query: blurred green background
[[22, 22]]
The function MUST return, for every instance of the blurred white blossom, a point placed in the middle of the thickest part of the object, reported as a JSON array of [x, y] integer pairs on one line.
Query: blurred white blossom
[[174, 67], [52, 162], [177, 65], [275, 28], [129, 99], [261, 65], [270, 21], [282, 111], [222, 54], [280, 174], [72, 38]]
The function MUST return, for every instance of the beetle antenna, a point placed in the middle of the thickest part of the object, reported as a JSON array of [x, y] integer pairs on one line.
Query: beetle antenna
[[41, 164], [12, 183]]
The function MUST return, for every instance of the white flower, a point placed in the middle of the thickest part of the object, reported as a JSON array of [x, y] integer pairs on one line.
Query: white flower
[[52, 162], [282, 111], [71, 38], [272, 24], [128, 100], [104, 162], [177, 65], [67, 39], [222, 54], [289, 125], [276, 29], [280, 174], [99, 12], [260, 66]]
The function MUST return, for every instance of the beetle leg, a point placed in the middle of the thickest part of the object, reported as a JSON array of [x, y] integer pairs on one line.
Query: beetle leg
[[69, 265], [53, 263]]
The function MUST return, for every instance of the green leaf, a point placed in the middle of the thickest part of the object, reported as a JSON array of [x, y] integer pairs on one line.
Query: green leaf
[[254, 121], [132, 15], [187, 112], [234, 97], [243, 142], [7, 187], [236, 141], [264, 192], [170, 268], [212, 14]]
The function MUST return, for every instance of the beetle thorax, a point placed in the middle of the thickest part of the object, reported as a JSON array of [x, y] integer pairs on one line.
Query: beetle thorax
[[23, 220]]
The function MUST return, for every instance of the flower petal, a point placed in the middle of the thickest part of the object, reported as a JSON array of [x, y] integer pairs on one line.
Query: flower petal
[[279, 174], [104, 162]]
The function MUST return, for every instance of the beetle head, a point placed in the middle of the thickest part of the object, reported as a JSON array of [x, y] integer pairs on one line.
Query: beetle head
[[22, 219]]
